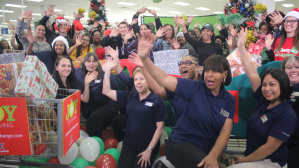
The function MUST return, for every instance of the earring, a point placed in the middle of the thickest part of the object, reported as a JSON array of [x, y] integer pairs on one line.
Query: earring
[[223, 80]]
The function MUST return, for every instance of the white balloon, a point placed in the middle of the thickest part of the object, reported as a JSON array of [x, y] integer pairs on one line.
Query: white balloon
[[79, 154], [79, 140], [89, 149], [83, 134], [165, 161], [163, 136], [119, 146], [70, 156]]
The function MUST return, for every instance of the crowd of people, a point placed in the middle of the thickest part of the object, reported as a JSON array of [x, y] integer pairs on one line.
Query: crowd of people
[[203, 109]]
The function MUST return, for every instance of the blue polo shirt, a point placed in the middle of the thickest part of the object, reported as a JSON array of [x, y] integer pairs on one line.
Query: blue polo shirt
[[142, 117], [295, 104], [204, 116], [278, 122]]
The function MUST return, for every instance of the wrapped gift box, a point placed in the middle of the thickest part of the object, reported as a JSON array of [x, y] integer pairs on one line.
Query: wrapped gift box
[[11, 51], [169, 68], [9, 74], [35, 81], [255, 49], [12, 58]]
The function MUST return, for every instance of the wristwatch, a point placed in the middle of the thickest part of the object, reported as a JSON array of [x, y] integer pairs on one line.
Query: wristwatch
[[150, 148]]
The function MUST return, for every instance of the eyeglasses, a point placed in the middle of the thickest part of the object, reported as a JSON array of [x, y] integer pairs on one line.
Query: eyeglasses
[[170, 29], [86, 40], [290, 21], [187, 63], [97, 35]]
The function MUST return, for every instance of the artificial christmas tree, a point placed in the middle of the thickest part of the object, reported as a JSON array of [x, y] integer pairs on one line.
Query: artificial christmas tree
[[97, 12]]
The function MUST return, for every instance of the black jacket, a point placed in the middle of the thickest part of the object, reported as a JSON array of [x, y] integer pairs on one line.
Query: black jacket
[[50, 35]]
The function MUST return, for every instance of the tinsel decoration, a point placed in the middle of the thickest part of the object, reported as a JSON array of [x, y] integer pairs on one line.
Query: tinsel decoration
[[250, 38], [92, 14], [97, 12], [81, 10], [235, 19], [185, 17], [260, 8], [221, 18]]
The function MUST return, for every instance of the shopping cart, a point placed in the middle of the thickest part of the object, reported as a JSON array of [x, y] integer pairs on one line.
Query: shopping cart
[[45, 128]]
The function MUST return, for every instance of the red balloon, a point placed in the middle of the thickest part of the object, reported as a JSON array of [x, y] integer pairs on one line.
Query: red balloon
[[83, 128], [110, 143], [54, 160], [40, 149], [162, 150], [105, 161], [106, 134]]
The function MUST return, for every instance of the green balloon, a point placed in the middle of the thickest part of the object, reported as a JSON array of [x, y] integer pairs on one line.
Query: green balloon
[[114, 153], [93, 163], [101, 143], [79, 163], [157, 1], [168, 130]]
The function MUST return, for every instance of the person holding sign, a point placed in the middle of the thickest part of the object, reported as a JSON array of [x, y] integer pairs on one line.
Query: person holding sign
[[273, 121], [146, 113], [204, 128]]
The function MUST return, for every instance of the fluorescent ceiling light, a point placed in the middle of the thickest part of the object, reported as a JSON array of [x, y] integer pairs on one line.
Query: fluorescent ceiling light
[[36, 14], [287, 5], [278, 0], [70, 17], [13, 20], [153, 8], [107, 9], [181, 3], [36, 0], [4, 23], [14, 5], [203, 8], [129, 12], [218, 12], [125, 3], [7, 11], [174, 12], [57, 10]]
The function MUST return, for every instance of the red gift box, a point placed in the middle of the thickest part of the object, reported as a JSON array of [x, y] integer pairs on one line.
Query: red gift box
[[255, 49]]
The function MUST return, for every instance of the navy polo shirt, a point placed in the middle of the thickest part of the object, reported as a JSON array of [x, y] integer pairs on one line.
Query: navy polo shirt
[[278, 122], [295, 104], [142, 117], [204, 116]]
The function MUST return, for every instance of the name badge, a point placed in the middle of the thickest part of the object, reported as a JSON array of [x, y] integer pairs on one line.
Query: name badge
[[296, 93], [97, 81], [149, 104], [264, 118], [224, 113]]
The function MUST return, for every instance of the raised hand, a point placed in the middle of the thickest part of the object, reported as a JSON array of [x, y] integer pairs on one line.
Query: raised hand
[[264, 16], [255, 33], [218, 27], [26, 15], [114, 33], [79, 39], [103, 24], [90, 76], [12, 30], [233, 31], [276, 18], [125, 20], [154, 24], [135, 59], [175, 19], [190, 19], [113, 53], [50, 11], [145, 43], [111, 63], [153, 12], [96, 24], [142, 10], [161, 32], [229, 40], [29, 36], [181, 21], [134, 21], [129, 35], [116, 23], [269, 41], [242, 37], [175, 43], [196, 24]]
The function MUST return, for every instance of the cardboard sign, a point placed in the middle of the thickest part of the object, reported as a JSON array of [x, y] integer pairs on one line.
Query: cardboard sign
[[236, 95], [14, 131], [71, 120]]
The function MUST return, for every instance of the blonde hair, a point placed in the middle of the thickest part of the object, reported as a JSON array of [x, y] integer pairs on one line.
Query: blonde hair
[[136, 70]]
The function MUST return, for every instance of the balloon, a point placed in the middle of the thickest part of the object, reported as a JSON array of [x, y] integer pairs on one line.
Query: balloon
[[79, 140], [162, 150], [165, 161], [157, 1], [119, 146], [110, 143], [168, 130], [114, 153], [83, 128], [89, 149], [70, 156], [54, 160], [80, 163], [93, 163], [90, 167], [163, 136], [106, 134], [40, 149], [79, 153], [83, 134], [105, 161], [101, 143]]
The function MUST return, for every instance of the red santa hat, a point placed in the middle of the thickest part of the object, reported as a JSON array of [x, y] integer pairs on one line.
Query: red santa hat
[[60, 20], [294, 12]]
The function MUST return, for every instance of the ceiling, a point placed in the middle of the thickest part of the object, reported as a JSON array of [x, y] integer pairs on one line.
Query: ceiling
[[119, 12]]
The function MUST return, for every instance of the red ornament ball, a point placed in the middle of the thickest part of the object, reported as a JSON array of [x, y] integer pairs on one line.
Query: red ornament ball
[[237, 3], [252, 7]]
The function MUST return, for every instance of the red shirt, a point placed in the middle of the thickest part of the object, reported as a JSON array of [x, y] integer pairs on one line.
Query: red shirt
[[100, 53], [288, 49]]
